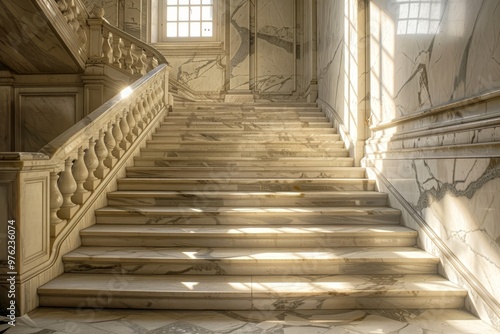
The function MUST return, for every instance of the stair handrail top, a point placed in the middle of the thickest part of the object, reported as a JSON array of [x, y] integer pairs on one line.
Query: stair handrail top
[[66, 143], [120, 33]]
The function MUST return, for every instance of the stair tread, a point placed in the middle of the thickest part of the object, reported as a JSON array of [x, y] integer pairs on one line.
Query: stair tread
[[204, 211], [235, 231], [242, 194], [251, 286], [250, 255]]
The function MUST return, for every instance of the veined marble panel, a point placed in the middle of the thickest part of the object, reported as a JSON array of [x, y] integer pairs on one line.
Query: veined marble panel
[[239, 33], [200, 73], [451, 54], [38, 114], [6, 137], [29, 45], [132, 17], [460, 201], [275, 38], [60, 320]]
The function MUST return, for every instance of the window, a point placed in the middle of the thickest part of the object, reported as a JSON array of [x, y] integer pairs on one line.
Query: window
[[419, 16], [187, 19]]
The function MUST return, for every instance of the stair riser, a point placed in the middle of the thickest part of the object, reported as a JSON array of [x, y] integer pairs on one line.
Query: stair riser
[[243, 147], [175, 130], [241, 174], [242, 219], [206, 267], [211, 302], [246, 118], [159, 162], [203, 186], [252, 154], [244, 125], [199, 201], [247, 241]]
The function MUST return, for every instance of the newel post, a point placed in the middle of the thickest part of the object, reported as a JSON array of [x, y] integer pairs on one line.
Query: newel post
[[25, 219]]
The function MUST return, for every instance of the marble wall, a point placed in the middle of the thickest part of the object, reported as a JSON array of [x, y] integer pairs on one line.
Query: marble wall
[[433, 93], [254, 52], [435, 109]]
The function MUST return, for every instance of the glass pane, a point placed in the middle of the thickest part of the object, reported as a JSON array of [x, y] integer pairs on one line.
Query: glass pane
[[194, 29], [195, 13], [184, 13], [171, 13], [195, 2], [183, 2], [206, 13], [183, 29], [172, 29], [207, 2], [171, 2], [206, 29]]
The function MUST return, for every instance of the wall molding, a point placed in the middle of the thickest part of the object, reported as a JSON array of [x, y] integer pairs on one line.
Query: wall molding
[[437, 110], [445, 253]]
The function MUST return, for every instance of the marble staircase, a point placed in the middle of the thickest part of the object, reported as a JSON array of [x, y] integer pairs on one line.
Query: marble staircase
[[242, 207]]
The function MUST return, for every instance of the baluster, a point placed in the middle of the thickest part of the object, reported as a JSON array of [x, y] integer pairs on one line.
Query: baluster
[[137, 117], [140, 63], [147, 107], [117, 134], [150, 101], [102, 153], [91, 162], [131, 125], [80, 174], [106, 47], [129, 59], [56, 200], [149, 61], [144, 114], [67, 186], [154, 98], [117, 51], [63, 6], [135, 60], [110, 142], [159, 93], [124, 144]]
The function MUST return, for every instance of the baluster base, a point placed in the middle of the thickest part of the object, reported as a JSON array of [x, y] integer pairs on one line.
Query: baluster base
[[68, 212], [80, 198], [56, 228], [101, 173], [110, 162], [91, 185]]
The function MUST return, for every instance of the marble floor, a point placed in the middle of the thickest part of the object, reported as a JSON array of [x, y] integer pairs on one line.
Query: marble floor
[[91, 321]]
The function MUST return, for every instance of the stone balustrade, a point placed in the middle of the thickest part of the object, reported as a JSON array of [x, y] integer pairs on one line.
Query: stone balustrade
[[52, 194], [87, 152]]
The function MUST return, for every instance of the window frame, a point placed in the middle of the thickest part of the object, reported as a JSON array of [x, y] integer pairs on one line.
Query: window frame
[[162, 21]]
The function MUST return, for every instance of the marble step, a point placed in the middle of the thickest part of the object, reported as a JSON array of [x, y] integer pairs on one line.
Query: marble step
[[247, 117], [234, 236], [242, 146], [306, 172], [250, 261], [246, 108], [262, 153], [212, 131], [251, 292], [247, 216], [243, 162], [245, 184], [245, 125], [248, 198], [250, 138]]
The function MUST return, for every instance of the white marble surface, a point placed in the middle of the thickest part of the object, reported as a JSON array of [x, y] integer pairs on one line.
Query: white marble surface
[[457, 59], [38, 114], [29, 43], [71, 321]]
